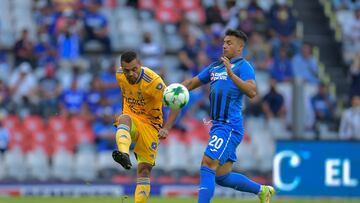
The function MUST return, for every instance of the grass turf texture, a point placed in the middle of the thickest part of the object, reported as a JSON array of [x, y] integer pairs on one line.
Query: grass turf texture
[[153, 200]]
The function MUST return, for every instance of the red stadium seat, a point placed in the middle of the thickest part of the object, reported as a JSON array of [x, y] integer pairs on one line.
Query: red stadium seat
[[147, 4], [11, 121], [79, 123], [33, 123], [188, 5], [168, 4], [63, 140], [167, 15], [19, 139], [41, 139], [57, 123], [196, 15], [85, 136]]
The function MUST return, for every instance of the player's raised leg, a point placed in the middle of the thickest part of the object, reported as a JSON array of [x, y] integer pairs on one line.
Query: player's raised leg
[[123, 141], [226, 178], [143, 181]]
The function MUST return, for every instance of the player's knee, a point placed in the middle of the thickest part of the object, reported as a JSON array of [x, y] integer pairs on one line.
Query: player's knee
[[144, 170], [123, 119], [210, 163], [221, 180]]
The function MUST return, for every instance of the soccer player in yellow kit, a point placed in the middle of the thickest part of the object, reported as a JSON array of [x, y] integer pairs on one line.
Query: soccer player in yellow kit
[[141, 120]]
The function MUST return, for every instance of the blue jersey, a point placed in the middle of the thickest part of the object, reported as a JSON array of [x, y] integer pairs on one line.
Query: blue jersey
[[225, 97]]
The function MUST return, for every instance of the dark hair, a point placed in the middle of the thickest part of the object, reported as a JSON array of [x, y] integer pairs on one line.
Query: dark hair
[[128, 56], [238, 34]]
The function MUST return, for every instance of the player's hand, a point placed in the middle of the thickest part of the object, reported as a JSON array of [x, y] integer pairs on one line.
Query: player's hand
[[163, 133], [227, 64]]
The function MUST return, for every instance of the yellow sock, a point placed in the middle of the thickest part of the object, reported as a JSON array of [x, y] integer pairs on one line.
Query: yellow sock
[[123, 139], [142, 190]]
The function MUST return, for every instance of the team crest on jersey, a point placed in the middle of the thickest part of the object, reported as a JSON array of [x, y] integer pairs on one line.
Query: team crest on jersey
[[154, 145], [218, 76]]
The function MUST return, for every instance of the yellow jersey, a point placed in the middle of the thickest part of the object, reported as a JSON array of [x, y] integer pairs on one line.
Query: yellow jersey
[[144, 99]]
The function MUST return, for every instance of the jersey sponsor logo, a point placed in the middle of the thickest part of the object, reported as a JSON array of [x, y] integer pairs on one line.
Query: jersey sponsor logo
[[154, 145], [218, 76], [132, 101]]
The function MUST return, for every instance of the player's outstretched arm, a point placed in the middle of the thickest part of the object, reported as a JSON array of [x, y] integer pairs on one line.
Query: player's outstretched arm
[[163, 132], [192, 83]]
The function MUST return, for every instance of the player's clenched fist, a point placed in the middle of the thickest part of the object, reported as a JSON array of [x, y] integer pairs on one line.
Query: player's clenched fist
[[163, 133], [227, 65]]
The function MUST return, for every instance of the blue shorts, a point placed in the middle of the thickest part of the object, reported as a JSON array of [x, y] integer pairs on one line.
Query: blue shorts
[[223, 142]]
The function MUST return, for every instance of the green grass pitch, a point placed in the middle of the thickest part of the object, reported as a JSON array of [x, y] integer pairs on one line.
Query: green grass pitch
[[152, 200]]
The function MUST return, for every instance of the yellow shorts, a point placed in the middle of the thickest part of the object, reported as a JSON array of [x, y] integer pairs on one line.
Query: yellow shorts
[[146, 141]]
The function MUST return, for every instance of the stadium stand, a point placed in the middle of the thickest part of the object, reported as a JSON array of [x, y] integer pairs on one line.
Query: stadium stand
[[58, 91]]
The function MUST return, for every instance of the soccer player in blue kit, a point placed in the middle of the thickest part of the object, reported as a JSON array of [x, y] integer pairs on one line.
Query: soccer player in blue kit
[[230, 78]]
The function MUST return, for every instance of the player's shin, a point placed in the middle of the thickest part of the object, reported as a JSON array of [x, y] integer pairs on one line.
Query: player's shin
[[123, 138], [238, 182], [207, 184], [142, 190]]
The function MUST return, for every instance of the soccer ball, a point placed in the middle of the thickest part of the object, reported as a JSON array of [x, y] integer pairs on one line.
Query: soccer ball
[[176, 96]]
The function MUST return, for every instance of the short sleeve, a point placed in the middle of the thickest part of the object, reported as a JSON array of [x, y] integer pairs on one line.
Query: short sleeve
[[157, 88], [245, 71], [204, 75]]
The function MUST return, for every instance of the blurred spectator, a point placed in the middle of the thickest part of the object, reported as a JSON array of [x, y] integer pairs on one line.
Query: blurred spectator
[[202, 61], [68, 41], [305, 66], [343, 4], [350, 119], [94, 96], [282, 27], [95, 26], [324, 105], [273, 104], [5, 68], [213, 14], [23, 83], [44, 51], [214, 48], [4, 96], [188, 53], [23, 49], [259, 52], [282, 21], [104, 128], [281, 69], [245, 23], [351, 30], [49, 91], [109, 84], [261, 24], [4, 138], [151, 54], [78, 72], [72, 101], [355, 76]]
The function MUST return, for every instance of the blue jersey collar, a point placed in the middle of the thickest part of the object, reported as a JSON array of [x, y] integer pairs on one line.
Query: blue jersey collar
[[235, 60]]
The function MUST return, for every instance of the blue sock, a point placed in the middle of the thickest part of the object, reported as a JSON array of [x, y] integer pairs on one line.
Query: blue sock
[[238, 182], [207, 184]]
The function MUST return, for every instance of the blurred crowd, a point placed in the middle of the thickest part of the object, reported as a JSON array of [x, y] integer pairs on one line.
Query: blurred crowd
[[64, 65]]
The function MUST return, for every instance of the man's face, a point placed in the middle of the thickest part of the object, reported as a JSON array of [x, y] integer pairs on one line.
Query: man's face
[[131, 70], [232, 46], [355, 101]]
